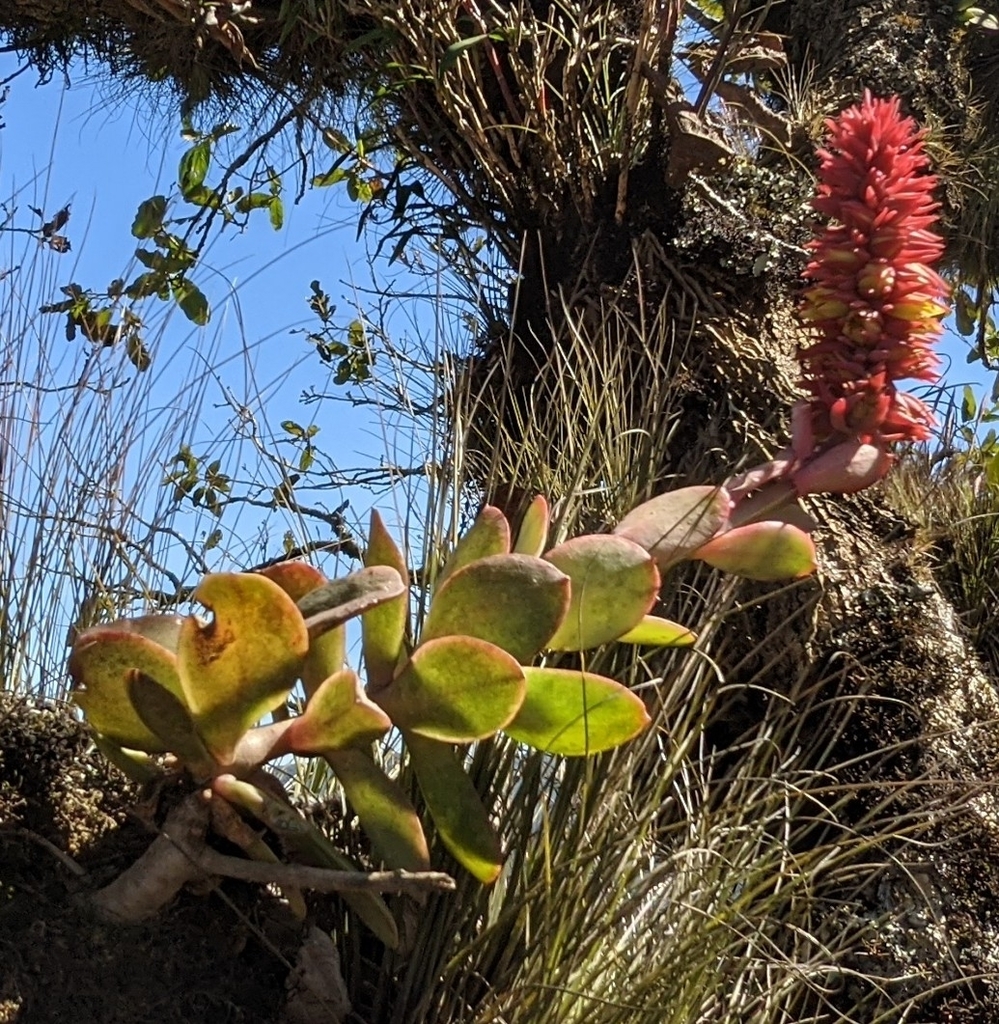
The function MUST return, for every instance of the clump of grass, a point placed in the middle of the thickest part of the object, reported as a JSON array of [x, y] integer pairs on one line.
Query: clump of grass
[[85, 527], [953, 496]]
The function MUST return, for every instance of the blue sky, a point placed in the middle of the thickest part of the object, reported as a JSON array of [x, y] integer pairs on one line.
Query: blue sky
[[87, 146]]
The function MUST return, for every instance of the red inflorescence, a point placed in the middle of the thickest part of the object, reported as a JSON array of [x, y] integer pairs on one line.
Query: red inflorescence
[[875, 301]]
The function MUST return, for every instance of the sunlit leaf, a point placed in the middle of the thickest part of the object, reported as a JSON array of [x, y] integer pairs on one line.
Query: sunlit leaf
[[673, 525], [134, 764], [326, 652], [455, 50], [194, 166], [532, 536], [488, 535], [775, 501], [383, 629], [513, 601], [456, 689], [340, 600], [244, 662], [337, 715], [657, 632], [461, 818], [762, 551], [138, 354], [969, 404], [149, 217], [385, 813], [575, 713], [614, 583], [103, 663], [192, 302]]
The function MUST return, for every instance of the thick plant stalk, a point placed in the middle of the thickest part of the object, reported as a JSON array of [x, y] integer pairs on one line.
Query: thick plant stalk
[[158, 875]]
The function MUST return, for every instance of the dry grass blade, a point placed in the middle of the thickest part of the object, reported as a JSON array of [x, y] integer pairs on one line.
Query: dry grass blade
[[956, 509], [82, 534]]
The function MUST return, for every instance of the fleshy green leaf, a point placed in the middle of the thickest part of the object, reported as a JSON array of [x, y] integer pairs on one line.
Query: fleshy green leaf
[[532, 536], [165, 715], [244, 662], [673, 525], [161, 629], [385, 813], [513, 601], [328, 652], [576, 713], [456, 807], [762, 551], [614, 583], [775, 501], [312, 847], [136, 765], [295, 578], [456, 689], [489, 535], [340, 600], [969, 404], [103, 662], [657, 632], [338, 715], [383, 629]]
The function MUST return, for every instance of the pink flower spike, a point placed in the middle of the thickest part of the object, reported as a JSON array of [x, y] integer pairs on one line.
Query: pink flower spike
[[875, 303]]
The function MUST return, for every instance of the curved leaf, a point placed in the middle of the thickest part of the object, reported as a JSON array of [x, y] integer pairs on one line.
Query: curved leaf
[[461, 818], [244, 662], [103, 662], [533, 533], [339, 600], [513, 601], [488, 535], [576, 713], [456, 689], [385, 813], [328, 652], [774, 502], [161, 629], [383, 629], [337, 715], [295, 578], [614, 583], [762, 551], [673, 525], [166, 716], [657, 632], [134, 764]]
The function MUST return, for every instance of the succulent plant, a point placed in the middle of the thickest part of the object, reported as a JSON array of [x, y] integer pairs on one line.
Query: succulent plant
[[197, 690]]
